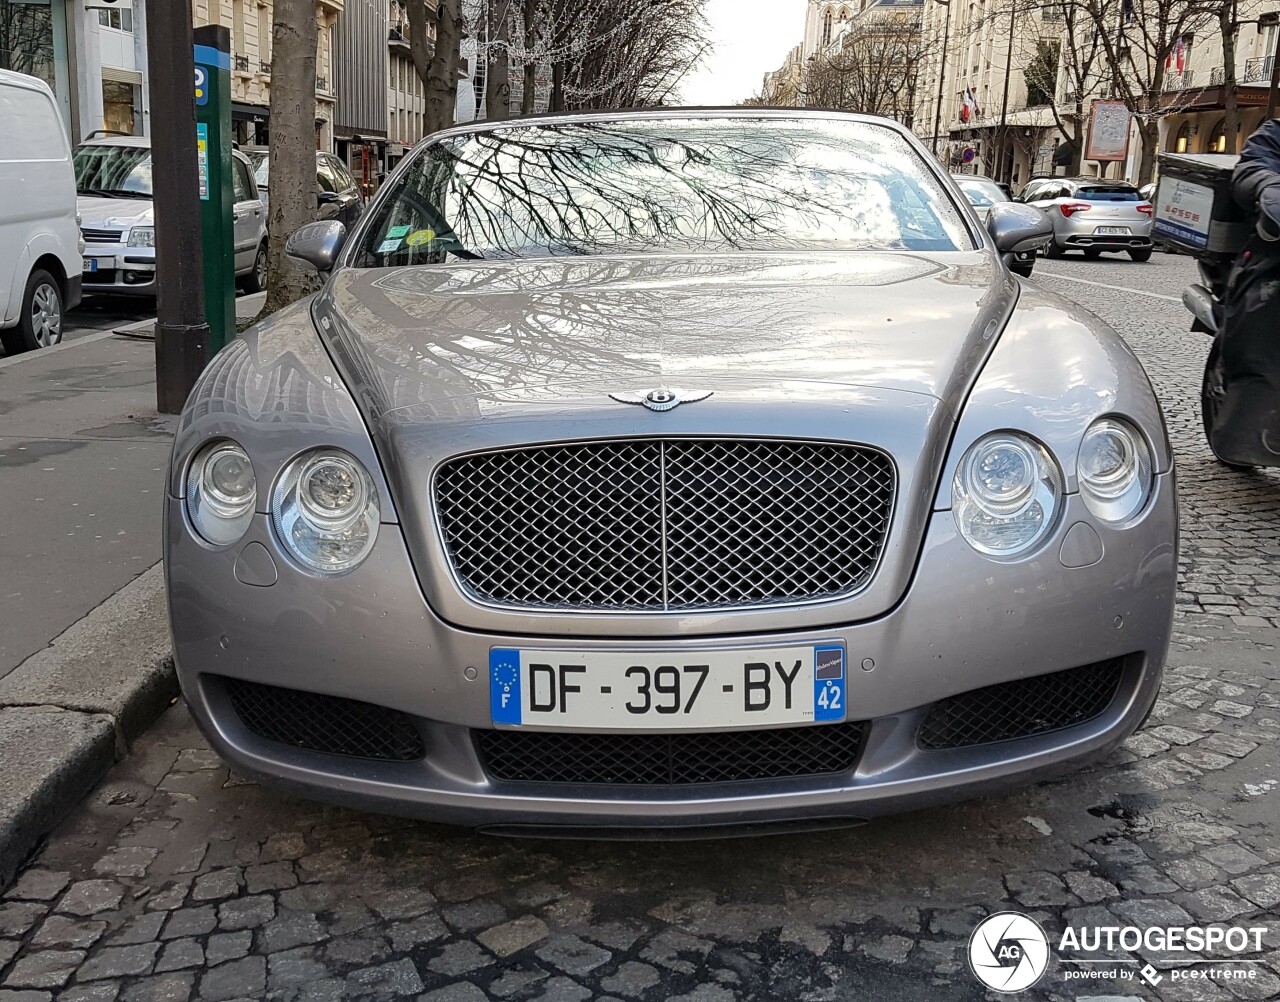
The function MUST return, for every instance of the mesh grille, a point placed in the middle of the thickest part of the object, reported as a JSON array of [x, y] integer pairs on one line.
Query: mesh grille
[[670, 759], [1020, 709], [665, 525], [324, 723]]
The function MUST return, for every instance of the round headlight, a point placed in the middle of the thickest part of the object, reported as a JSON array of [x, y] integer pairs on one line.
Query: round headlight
[[325, 510], [1007, 494], [1115, 470], [221, 492]]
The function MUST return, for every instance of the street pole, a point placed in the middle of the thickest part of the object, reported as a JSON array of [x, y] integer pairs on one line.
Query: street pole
[[942, 73], [1275, 80], [1004, 100], [182, 332]]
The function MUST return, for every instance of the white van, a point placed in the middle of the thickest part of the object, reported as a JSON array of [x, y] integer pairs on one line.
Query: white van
[[40, 243]]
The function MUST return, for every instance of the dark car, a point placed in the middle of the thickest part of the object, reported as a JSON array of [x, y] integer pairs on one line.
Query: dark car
[[337, 194]]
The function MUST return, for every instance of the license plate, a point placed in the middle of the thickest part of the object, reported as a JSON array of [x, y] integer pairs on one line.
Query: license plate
[[610, 690], [1112, 231], [90, 264]]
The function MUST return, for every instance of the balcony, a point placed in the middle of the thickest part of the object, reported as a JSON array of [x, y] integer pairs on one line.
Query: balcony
[[1258, 69], [322, 85], [242, 64], [1180, 81], [264, 67], [1217, 76]]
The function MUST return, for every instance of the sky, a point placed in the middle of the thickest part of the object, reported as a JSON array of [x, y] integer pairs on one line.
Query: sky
[[751, 37]]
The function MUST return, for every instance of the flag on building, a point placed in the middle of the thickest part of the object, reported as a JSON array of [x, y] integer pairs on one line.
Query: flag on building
[[969, 109]]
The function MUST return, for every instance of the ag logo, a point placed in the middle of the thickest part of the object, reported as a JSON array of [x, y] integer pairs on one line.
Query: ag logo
[[1008, 952]]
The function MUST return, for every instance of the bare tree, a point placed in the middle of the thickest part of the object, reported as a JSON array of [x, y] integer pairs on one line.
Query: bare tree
[[1078, 71], [295, 34], [1140, 39], [875, 69], [438, 61], [1228, 12]]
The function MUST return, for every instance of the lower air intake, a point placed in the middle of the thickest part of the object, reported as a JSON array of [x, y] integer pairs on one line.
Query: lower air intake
[[670, 759], [1022, 708], [327, 724]]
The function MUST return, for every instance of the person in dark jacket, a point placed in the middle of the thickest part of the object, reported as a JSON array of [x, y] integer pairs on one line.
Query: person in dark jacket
[[1242, 378]]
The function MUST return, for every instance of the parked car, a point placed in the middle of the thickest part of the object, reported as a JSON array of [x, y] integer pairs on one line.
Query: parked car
[[1093, 215], [113, 178], [622, 476], [39, 239], [982, 193], [337, 194]]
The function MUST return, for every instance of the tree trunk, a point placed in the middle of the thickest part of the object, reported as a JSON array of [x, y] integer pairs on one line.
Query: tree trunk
[[295, 34], [497, 97], [1230, 86], [530, 94], [1149, 131], [437, 64], [557, 86]]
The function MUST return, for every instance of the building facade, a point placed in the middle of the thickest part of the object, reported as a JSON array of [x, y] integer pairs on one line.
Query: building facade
[[250, 24], [93, 54]]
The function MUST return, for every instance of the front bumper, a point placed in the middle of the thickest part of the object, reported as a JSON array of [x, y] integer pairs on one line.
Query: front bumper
[[965, 623], [120, 270]]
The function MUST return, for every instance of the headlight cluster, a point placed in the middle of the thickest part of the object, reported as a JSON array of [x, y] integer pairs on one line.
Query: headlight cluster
[[221, 492], [1007, 493], [325, 510], [1115, 470], [142, 236], [1008, 490], [324, 507]]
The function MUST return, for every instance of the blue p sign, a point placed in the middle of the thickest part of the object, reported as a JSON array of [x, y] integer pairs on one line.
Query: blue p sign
[[202, 86]]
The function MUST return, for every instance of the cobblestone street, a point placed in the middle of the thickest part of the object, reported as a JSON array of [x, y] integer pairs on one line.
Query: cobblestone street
[[176, 880]]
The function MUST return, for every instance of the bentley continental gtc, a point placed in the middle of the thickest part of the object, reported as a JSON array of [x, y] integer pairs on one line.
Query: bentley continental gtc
[[673, 469]]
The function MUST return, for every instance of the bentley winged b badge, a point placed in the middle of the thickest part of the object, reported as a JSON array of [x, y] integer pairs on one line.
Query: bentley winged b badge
[[663, 399]]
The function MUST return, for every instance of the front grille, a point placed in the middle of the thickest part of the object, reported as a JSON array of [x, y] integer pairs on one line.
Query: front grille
[[1022, 708], [665, 524], [670, 759], [100, 236], [324, 723]]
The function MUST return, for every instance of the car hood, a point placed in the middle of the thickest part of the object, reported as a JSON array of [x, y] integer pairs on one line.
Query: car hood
[[101, 213], [877, 348], [473, 340]]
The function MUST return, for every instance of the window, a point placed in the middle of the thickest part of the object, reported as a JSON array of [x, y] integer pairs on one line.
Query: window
[[241, 187], [1182, 143], [121, 20], [324, 175], [710, 185], [826, 28], [264, 34]]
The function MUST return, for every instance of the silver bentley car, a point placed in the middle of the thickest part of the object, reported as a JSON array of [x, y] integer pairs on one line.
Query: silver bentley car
[[670, 469]]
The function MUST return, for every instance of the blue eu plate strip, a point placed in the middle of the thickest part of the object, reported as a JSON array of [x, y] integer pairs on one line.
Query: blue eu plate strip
[[828, 683], [504, 685]]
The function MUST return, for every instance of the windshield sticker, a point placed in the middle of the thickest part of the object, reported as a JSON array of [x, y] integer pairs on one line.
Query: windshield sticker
[[387, 246], [398, 231], [419, 237]]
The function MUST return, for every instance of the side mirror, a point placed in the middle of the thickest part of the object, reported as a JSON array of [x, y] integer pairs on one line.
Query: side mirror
[[1016, 228], [326, 197], [316, 245]]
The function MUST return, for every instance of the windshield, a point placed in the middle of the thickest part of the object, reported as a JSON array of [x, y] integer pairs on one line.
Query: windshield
[[1113, 193], [261, 168], [679, 185], [981, 191], [113, 170]]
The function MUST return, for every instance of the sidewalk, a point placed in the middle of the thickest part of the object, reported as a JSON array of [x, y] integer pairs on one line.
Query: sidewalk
[[84, 652]]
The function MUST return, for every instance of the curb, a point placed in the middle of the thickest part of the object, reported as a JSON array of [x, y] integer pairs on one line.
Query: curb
[[70, 711]]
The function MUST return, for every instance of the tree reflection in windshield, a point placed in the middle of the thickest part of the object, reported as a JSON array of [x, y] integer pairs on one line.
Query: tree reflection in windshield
[[675, 186]]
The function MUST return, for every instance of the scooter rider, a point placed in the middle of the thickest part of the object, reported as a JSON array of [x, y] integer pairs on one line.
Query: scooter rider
[[1242, 400]]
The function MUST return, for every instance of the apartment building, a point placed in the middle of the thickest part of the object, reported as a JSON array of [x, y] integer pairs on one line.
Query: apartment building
[[250, 25], [93, 55]]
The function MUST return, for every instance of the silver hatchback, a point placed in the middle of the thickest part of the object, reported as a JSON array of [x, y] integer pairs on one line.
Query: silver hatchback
[[1093, 216]]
